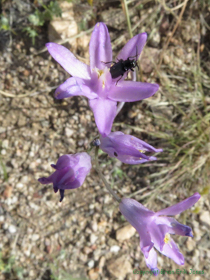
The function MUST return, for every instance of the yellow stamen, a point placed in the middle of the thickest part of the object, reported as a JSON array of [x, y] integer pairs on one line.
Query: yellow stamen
[[100, 73], [167, 238], [142, 151]]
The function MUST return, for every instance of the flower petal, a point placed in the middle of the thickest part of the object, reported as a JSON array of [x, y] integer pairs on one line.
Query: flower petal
[[151, 261], [134, 45], [68, 61], [100, 48], [104, 111], [134, 160], [171, 251], [138, 216], [46, 180], [128, 91], [174, 227], [127, 148], [66, 160], [158, 233], [74, 86], [181, 206]]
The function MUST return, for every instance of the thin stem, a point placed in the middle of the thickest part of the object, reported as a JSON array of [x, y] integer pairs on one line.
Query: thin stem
[[128, 19], [116, 197]]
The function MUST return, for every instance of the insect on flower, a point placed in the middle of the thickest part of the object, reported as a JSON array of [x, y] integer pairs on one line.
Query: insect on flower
[[96, 82], [122, 66]]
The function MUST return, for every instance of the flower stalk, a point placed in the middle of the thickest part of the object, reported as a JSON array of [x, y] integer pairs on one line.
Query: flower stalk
[[110, 190]]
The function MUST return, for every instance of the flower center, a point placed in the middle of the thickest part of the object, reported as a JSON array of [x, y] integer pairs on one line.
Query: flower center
[[167, 238], [99, 72]]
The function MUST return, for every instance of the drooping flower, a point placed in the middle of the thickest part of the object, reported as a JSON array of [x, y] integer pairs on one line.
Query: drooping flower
[[127, 148], [95, 81], [155, 228], [71, 171]]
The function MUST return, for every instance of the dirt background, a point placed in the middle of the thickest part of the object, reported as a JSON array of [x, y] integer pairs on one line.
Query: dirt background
[[80, 238]]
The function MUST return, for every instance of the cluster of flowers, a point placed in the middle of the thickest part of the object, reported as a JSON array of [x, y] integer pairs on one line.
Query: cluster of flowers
[[95, 82]]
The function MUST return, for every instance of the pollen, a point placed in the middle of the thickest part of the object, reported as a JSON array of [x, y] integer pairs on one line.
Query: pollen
[[167, 238], [100, 73], [103, 85], [142, 151]]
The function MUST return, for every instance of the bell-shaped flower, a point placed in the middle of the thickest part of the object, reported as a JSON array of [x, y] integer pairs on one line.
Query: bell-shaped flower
[[155, 228], [71, 171], [95, 81], [127, 148]]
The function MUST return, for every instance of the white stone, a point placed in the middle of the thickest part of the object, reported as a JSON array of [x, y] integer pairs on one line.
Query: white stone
[[69, 132], [35, 237], [91, 264], [205, 217], [19, 185], [3, 152], [93, 238], [64, 27], [115, 249], [125, 232], [12, 229]]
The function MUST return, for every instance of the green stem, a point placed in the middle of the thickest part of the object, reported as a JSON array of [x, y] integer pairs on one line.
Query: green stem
[[116, 197], [128, 19]]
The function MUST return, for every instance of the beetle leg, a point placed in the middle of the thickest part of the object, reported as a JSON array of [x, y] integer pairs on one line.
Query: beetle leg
[[119, 79], [108, 62]]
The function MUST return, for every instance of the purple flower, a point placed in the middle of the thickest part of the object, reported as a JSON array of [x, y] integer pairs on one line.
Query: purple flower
[[95, 81], [127, 148], [155, 228], [70, 173]]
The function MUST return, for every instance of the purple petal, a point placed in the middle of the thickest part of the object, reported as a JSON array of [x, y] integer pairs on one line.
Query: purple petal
[[135, 44], [66, 161], [61, 195], [151, 261], [134, 160], [138, 216], [174, 227], [72, 87], [171, 251], [104, 111], [68, 61], [128, 91], [100, 48], [127, 148], [62, 177], [46, 180], [158, 233], [181, 206], [126, 144]]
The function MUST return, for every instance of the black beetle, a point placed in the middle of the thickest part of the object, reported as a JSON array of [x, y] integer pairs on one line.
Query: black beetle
[[122, 66]]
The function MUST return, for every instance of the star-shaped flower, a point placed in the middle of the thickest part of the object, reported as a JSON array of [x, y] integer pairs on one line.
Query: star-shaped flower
[[155, 228], [95, 82]]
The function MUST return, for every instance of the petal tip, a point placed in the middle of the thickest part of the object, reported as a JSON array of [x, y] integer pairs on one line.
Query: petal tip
[[49, 45], [155, 271], [43, 180], [189, 234], [144, 34], [197, 195]]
